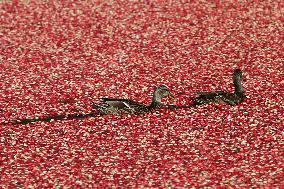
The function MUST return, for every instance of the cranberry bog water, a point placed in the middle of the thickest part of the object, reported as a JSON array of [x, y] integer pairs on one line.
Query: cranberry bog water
[[57, 57]]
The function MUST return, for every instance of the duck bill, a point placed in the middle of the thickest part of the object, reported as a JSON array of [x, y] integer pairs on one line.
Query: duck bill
[[172, 97]]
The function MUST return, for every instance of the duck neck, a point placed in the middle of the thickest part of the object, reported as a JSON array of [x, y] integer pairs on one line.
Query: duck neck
[[156, 99], [238, 85]]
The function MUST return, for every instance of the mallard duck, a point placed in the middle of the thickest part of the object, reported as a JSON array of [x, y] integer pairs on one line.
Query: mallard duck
[[118, 106], [222, 96]]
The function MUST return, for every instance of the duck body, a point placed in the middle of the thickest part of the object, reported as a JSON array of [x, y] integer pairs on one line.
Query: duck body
[[126, 106], [218, 97], [121, 106], [221, 96]]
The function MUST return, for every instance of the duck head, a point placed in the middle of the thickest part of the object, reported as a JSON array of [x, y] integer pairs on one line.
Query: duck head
[[238, 73], [160, 92]]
